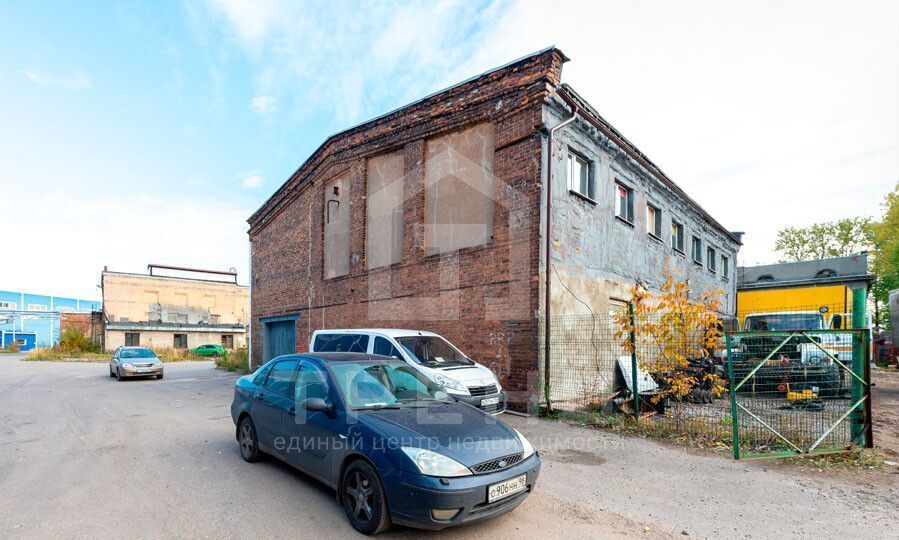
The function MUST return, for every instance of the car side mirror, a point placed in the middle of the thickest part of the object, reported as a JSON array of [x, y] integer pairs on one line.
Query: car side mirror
[[316, 404]]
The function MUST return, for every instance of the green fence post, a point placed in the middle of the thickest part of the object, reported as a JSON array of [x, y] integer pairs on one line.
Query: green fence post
[[733, 399], [633, 339], [859, 321]]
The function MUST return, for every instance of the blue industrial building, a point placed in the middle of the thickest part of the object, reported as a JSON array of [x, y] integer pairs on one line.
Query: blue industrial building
[[32, 320]]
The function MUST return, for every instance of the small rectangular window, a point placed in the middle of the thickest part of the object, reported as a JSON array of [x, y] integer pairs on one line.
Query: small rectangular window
[[711, 259], [653, 221], [624, 202], [228, 341], [132, 339], [697, 250], [7, 305], [579, 178], [37, 307], [383, 347], [677, 236], [725, 266], [180, 341]]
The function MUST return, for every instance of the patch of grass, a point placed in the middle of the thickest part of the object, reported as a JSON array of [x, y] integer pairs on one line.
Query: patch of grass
[[56, 355], [696, 432], [857, 458], [235, 360], [168, 354]]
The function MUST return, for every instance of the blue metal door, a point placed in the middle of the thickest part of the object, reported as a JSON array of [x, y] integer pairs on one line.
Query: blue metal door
[[280, 338]]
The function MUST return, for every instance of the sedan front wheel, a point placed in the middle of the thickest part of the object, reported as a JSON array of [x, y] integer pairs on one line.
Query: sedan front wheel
[[364, 499]]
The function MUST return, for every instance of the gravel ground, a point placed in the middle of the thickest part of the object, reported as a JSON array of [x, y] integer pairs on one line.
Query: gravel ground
[[84, 456]]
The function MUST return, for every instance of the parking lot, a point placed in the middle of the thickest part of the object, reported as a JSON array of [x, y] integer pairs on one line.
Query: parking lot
[[82, 455]]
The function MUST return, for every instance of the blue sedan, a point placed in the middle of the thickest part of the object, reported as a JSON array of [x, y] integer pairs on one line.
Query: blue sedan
[[395, 447]]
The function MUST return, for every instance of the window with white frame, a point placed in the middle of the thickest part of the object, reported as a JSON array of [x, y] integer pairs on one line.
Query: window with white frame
[[711, 259], [579, 178], [624, 202], [654, 221], [725, 267], [7, 305], [677, 236], [37, 307]]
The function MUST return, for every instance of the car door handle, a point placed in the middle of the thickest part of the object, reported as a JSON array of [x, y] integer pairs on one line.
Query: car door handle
[[260, 396]]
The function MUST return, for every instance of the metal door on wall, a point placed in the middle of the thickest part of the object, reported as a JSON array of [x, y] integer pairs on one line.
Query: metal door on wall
[[279, 338]]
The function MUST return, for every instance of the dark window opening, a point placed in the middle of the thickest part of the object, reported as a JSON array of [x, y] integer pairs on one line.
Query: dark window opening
[[697, 250], [180, 341], [132, 339]]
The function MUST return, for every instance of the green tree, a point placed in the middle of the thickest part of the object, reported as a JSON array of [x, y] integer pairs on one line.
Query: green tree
[[886, 253], [822, 240]]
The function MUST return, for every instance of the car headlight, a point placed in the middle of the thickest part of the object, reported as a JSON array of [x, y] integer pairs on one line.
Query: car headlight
[[449, 383], [127, 365], [433, 464], [528, 448], [158, 364]]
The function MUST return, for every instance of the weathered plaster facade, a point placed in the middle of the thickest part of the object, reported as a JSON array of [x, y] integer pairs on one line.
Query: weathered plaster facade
[[598, 257], [158, 307]]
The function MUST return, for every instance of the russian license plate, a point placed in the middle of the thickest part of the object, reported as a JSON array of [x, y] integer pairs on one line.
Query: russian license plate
[[489, 401], [144, 370], [508, 488]]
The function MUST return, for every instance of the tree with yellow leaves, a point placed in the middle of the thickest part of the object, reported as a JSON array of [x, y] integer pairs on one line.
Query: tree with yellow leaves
[[669, 331]]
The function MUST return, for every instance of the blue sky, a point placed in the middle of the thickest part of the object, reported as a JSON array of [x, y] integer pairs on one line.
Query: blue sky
[[148, 132]]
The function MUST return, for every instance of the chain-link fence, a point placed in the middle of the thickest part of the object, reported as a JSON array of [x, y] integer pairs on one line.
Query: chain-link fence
[[803, 391]]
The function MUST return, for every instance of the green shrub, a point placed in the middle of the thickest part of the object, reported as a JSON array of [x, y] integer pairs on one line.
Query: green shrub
[[234, 360], [73, 341]]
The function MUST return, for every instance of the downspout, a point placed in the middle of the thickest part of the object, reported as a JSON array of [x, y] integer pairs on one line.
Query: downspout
[[547, 274]]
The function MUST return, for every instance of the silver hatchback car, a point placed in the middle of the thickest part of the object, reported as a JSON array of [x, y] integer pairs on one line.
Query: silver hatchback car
[[135, 362]]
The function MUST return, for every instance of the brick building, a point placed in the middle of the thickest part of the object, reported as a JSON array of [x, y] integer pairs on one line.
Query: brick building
[[430, 217]]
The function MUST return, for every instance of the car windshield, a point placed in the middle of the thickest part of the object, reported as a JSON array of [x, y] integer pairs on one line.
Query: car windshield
[[136, 353], [433, 351], [787, 321], [372, 385]]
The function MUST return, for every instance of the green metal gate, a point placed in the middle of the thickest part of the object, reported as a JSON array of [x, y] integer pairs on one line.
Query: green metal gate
[[799, 392]]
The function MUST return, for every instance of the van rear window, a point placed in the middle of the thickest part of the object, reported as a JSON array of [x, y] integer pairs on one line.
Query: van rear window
[[340, 343]]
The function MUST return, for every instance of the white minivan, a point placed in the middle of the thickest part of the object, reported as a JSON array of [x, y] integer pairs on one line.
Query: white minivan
[[429, 353]]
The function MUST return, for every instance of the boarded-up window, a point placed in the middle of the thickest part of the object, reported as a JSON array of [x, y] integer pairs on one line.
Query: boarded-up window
[[459, 186], [337, 228], [385, 210]]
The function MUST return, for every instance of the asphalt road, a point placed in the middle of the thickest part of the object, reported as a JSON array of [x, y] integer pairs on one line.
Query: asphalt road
[[82, 455]]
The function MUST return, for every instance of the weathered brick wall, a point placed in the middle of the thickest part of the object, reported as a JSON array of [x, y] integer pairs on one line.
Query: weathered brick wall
[[89, 324], [481, 298], [78, 321]]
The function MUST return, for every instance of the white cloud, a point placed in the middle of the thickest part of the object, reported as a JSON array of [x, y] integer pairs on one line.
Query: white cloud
[[200, 232], [263, 104], [770, 114], [79, 81], [250, 179]]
